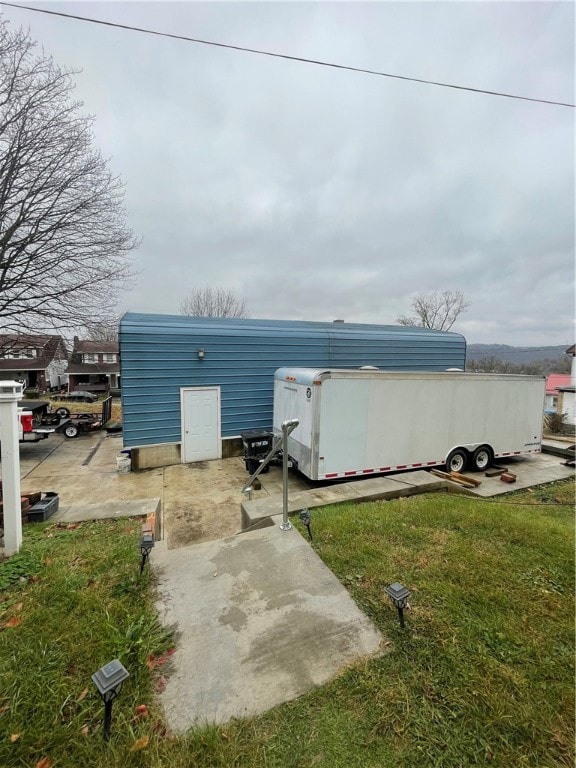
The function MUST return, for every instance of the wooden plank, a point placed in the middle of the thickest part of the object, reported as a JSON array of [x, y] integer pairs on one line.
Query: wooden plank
[[471, 480], [445, 476]]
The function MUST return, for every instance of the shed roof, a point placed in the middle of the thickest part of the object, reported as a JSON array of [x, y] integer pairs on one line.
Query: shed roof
[[179, 324]]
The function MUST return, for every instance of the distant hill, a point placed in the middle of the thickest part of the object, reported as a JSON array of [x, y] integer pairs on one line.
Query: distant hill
[[516, 355]]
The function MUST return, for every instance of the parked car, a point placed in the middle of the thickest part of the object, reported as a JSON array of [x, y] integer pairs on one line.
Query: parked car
[[78, 397]]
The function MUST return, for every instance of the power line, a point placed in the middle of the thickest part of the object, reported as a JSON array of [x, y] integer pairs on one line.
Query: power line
[[260, 52]]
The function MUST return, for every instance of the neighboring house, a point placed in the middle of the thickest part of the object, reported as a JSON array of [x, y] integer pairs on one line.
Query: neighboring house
[[567, 394], [39, 361], [94, 366], [205, 381], [553, 383]]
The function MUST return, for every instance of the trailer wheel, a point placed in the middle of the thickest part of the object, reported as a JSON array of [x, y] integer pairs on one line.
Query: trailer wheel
[[62, 412], [457, 460], [482, 458], [70, 431]]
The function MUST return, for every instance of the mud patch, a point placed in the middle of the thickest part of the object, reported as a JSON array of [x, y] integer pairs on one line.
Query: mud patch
[[201, 465], [192, 522]]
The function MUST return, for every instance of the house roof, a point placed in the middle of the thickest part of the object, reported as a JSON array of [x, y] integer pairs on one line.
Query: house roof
[[571, 350], [77, 369], [86, 346], [556, 380], [46, 347]]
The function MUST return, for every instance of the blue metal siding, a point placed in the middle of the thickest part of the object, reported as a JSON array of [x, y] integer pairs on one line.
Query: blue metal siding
[[158, 356]]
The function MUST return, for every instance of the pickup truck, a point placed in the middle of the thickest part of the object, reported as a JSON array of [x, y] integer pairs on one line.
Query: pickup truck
[[30, 415]]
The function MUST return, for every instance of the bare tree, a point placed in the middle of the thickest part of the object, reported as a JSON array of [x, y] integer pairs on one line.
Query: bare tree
[[213, 302], [435, 310], [105, 330], [64, 246]]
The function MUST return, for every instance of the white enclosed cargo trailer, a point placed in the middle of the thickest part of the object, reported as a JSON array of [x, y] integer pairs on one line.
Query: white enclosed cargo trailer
[[362, 422]]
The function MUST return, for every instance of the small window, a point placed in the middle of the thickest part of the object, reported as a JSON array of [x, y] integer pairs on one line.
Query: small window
[[109, 357], [90, 357]]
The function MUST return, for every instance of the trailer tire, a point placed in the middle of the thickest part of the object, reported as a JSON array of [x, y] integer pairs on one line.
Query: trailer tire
[[62, 412], [70, 431], [457, 460], [482, 458]]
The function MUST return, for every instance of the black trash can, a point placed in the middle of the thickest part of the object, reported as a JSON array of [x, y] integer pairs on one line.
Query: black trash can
[[257, 445]]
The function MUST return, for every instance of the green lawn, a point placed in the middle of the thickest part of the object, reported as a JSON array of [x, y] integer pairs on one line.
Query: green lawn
[[483, 674]]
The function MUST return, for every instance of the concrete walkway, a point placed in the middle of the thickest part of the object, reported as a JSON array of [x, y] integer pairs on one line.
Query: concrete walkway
[[261, 619]]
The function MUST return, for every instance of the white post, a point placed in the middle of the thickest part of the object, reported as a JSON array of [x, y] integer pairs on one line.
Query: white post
[[10, 393]]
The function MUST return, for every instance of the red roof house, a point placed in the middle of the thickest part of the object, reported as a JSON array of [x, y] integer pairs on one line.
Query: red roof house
[[553, 383]]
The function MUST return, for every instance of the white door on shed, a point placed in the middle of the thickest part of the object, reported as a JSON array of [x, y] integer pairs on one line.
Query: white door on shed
[[200, 409]]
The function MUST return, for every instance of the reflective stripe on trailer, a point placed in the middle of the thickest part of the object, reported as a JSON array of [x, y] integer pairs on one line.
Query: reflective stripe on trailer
[[517, 453], [378, 470]]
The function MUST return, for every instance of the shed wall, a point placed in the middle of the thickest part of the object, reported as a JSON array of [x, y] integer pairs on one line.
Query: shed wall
[[158, 355]]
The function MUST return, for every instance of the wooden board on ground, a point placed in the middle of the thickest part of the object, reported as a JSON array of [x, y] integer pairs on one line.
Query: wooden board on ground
[[465, 482]]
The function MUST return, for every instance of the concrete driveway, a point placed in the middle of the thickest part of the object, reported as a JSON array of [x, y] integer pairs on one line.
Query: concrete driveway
[[196, 502]]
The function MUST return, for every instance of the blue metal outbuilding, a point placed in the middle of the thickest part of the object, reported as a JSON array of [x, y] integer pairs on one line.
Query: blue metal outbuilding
[[161, 354]]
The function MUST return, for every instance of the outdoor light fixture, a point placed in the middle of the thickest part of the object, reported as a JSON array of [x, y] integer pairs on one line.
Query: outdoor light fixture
[[201, 354], [399, 595], [305, 520], [146, 544], [109, 680]]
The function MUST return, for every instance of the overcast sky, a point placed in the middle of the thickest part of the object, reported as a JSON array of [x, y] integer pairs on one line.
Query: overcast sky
[[317, 193]]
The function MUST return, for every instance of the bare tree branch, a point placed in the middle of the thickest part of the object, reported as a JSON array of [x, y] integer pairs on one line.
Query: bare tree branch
[[213, 302], [435, 310], [64, 246], [105, 330]]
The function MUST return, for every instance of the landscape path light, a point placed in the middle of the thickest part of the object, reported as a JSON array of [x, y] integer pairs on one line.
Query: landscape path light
[[305, 520], [146, 544], [399, 595], [109, 680]]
